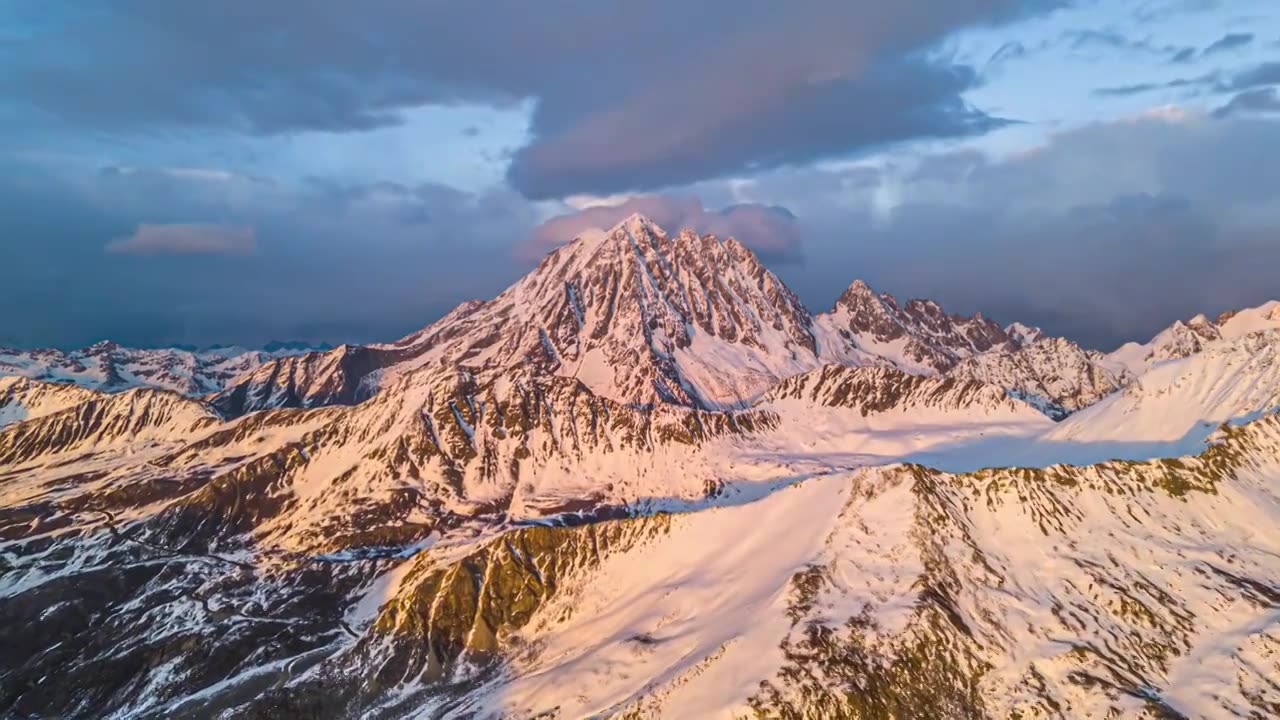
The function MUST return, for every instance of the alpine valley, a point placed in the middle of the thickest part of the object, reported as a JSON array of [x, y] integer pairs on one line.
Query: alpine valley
[[645, 481]]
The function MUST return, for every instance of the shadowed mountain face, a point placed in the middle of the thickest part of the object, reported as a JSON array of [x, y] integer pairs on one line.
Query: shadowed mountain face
[[645, 482]]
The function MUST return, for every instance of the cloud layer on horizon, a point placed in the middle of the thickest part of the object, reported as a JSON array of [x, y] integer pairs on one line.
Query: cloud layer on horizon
[[186, 239], [770, 231]]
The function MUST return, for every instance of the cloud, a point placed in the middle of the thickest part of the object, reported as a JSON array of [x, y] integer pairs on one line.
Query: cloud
[[1160, 10], [1230, 41], [625, 97], [770, 231], [1260, 100], [1257, 76], [1105, 233], [187, 239], [1260, 75], [1011, 50], [346, 261], [739, 129], [1113, 40]]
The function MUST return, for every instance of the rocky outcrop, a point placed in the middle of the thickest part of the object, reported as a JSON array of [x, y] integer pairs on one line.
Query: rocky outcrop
[[130, 417], [918, 337], [1055, 375], [871, 390], [110, 367]]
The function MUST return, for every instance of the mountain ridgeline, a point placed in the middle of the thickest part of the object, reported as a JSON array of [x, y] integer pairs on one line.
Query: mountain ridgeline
[[643, 317], [645, 481]]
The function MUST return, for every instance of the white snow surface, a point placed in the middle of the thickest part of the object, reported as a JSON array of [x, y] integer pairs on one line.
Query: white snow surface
[[1174, 407], [1182, 339], [709, 598], [23, 399], [690, 623], [111, 367]]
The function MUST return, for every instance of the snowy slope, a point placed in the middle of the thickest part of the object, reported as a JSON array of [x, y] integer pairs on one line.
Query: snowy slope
[[1183, 339], [23, 399], [111, 367], [131, 419], [1176, 405], [445, 547], [1054, 374], [1117, 590]]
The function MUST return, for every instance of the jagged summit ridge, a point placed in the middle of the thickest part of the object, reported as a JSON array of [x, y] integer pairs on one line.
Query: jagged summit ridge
[[918, 336], [109, 366], [643, 316], [636, 314], [1053, 374], [1185, 338]]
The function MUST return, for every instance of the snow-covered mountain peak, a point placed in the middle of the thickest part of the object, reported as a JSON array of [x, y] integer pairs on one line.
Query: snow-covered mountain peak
[[1172, 407], [1052, 373], [669, 317], [638, 222], [1023, 334], [636, 314], [1185, 338], [108, 366], [918, 336]]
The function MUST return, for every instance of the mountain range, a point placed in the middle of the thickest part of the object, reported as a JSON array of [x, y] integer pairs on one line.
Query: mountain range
[[646, 481]]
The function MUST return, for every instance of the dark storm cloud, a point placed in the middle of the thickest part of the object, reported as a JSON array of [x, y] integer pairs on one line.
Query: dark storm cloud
[[163, 256], [755, 130], [1106, 234], [653, 93]]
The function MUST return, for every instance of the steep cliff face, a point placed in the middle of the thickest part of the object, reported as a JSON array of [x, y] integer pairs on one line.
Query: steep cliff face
[[1053, 374], [880, 389], [635, 314], [918, 337]]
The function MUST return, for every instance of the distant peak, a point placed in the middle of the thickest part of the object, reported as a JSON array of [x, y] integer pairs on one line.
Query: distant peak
[[859, 287], [1023, 334], [637, 221]]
